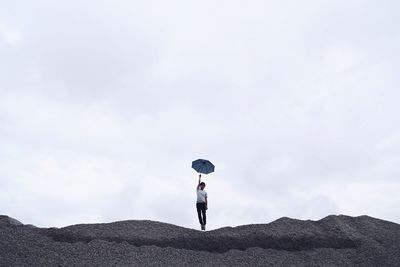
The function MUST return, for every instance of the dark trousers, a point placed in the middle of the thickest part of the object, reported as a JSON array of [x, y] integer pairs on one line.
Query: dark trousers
[[201, 210]]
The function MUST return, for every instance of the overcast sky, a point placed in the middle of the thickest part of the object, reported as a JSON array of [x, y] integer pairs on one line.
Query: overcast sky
[[105, 104]]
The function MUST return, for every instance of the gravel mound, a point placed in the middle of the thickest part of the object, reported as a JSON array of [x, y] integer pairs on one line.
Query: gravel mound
[[332, 241]]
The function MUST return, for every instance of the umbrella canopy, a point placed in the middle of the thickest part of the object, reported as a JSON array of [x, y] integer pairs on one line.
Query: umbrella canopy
[[203, 166]]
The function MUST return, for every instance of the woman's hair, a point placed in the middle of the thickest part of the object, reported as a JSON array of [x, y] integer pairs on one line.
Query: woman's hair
[[203, 183]]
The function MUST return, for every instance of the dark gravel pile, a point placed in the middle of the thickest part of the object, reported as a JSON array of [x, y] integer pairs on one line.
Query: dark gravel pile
[[332, 241]]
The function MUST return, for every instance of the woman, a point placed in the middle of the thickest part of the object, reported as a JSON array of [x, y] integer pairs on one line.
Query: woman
[[201, 204]]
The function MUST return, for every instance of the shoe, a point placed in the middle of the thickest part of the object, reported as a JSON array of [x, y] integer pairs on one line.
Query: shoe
[[204, 227], [201, 226]]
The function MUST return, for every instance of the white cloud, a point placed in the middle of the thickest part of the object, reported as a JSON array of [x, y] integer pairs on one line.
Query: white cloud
[[10, 36], [103, 106]]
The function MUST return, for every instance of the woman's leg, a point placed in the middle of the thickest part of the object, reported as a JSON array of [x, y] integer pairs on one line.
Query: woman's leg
[[203, 210], [198, 207]]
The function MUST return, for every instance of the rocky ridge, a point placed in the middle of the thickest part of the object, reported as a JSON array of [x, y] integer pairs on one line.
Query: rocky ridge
[[333, 241]]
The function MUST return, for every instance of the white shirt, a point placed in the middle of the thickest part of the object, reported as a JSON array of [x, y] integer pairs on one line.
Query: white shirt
[[201, 196]]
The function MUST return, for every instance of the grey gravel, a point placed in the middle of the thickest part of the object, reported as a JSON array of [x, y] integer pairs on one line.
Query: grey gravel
[[333, 241]]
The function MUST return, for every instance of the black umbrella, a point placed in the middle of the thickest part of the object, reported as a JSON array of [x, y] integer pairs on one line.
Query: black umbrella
[[203, 166]]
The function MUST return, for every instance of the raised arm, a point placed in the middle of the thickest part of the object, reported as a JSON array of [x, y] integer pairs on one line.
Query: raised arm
[[198, 185]]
